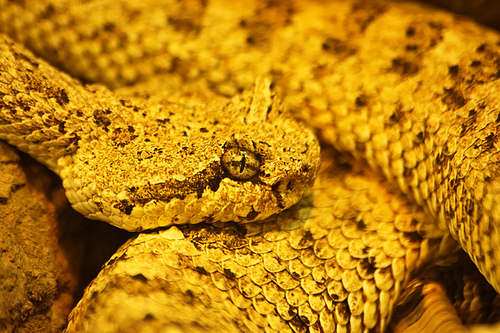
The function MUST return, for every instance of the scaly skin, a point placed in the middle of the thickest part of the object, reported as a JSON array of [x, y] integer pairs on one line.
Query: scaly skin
[[415, 91], [141, 164], [336, 261]]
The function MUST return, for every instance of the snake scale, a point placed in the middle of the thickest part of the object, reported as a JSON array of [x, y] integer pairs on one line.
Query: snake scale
[[412, 92]]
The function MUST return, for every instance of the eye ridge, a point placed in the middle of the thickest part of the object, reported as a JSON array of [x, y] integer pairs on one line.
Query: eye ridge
[[240, 163]]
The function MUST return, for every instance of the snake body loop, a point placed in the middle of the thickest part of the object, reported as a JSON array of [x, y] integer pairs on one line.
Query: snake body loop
[[336, 261], [411, 91]]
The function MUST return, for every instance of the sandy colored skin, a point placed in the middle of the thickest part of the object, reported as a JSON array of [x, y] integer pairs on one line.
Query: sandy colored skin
[[336, 261], [411, 89], [141, 164]]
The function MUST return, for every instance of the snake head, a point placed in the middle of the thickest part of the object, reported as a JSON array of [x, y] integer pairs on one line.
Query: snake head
[[241, 159]]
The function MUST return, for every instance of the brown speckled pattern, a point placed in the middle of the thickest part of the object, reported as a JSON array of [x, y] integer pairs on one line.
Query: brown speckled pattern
[[411, 90]]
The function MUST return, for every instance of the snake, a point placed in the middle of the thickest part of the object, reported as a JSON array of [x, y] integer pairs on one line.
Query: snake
[[412, 92]]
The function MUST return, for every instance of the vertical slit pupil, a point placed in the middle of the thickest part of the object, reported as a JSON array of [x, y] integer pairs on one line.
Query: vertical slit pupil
[[242, 164]]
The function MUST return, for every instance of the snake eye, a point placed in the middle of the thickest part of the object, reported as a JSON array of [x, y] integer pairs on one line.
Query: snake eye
[[240, 164]]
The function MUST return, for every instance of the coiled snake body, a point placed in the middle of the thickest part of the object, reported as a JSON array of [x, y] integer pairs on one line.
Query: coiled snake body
[[410, 91]]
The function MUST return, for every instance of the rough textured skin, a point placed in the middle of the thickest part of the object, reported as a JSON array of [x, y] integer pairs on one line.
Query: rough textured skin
[[413, 91], [336, 261], [430, 123], [143, 164]]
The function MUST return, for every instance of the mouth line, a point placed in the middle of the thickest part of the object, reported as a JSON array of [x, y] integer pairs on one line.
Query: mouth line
[[282, 188]]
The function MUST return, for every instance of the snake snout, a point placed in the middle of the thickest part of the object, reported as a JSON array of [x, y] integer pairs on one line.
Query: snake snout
[[289, 191]]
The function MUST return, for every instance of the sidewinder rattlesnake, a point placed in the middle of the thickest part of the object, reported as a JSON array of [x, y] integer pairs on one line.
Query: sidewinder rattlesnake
[[412, 91]]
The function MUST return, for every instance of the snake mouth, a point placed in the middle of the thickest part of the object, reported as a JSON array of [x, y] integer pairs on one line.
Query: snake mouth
[[288, 192], [291, 188]]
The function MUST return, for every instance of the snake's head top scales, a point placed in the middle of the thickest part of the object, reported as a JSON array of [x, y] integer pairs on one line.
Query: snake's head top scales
[[240, 159]]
